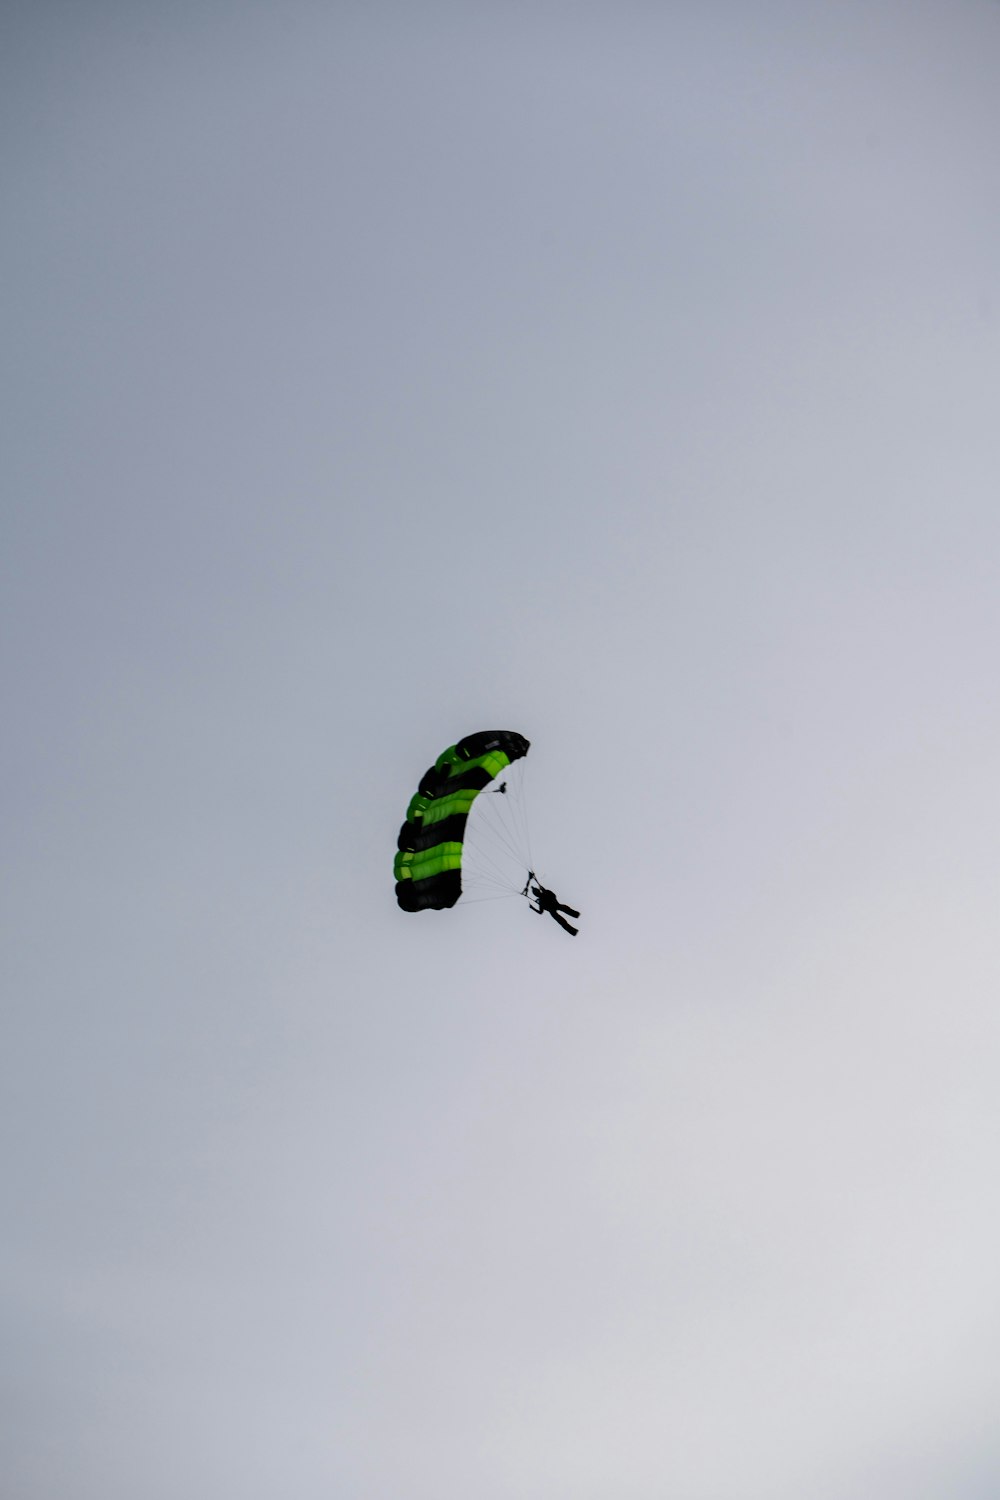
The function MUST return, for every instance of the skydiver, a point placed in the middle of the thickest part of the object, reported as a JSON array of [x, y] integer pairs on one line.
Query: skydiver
[[548, 901]]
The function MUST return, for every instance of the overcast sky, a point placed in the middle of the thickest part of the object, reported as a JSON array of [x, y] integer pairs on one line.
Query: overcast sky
[[626, 376]]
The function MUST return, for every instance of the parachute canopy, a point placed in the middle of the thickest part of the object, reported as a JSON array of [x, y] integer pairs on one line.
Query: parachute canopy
[[428, 866]]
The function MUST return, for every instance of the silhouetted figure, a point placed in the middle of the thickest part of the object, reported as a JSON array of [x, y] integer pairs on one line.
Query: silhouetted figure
[[548, 901]]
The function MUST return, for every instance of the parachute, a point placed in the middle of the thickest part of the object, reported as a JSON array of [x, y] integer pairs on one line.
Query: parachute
[[441, 853]]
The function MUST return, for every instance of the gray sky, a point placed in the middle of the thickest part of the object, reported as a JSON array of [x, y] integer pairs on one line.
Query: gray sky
[[626, 376]]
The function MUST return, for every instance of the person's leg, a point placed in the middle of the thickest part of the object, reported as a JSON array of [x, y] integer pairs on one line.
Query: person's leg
[[563, 923]]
